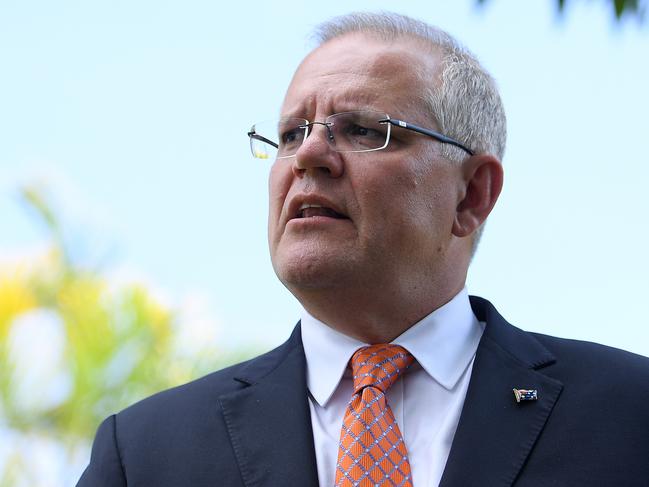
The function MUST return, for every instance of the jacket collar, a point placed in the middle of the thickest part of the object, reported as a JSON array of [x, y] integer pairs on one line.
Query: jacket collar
[[268, 421], [495, 434]]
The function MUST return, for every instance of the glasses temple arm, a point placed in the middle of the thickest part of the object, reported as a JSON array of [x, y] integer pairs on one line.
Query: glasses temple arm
[[254, 135], [430, 133]]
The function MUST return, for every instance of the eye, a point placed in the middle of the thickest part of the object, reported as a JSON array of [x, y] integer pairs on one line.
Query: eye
[[291, 136], [361, 131]]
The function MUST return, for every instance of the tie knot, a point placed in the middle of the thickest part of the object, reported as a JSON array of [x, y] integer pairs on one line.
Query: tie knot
[[379, 366]]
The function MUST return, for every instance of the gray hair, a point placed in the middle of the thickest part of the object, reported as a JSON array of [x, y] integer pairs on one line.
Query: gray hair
[[464, 101]]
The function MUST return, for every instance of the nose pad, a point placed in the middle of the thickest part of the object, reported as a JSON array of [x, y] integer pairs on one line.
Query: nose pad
[[330, 134]]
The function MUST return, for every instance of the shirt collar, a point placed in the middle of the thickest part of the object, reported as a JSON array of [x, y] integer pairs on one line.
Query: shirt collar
[[443, 343]]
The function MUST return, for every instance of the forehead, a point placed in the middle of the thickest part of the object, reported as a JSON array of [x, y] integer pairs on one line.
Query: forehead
[[359, 71]]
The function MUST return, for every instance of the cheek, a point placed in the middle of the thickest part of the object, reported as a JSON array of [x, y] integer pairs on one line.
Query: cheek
[[410, 206], [279, 183], [389, 206]]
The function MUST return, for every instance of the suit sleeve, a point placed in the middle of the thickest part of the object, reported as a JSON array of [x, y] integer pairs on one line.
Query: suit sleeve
[[105, 467]]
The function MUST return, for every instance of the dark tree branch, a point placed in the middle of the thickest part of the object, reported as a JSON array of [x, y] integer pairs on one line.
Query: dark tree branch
[[632, 8]]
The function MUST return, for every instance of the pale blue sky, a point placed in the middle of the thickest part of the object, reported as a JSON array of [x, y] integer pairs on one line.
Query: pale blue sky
[[135, 114]]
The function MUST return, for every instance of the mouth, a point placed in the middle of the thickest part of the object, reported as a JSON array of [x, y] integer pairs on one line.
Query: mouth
[[307, 210]]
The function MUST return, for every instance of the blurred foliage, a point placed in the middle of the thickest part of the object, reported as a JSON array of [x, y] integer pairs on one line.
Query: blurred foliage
[[619, 8], [119, 346]]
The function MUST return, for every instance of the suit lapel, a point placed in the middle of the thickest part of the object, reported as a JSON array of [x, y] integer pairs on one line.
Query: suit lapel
[[269, 420], [495, 434], [270, 426]]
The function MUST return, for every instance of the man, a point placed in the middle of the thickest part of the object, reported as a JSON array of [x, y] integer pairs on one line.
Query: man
[[387, 165]]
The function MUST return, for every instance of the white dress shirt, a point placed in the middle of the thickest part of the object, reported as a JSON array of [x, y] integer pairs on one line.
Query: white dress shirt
[[426, 401]]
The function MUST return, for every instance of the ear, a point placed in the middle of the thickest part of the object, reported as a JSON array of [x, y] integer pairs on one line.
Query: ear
[[483, 178]]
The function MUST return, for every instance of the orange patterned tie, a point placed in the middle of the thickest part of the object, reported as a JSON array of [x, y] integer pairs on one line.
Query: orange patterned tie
[[371, 451]]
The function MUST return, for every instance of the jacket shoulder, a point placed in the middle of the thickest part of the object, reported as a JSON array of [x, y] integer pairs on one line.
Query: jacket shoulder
[[179, 436], [575, 361], [197, 394], [599, 362]]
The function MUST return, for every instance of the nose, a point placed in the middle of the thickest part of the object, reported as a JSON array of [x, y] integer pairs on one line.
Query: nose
[[316, 154]]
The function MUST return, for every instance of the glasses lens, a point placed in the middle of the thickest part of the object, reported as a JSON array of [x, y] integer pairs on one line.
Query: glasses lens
[[260, 148], [277, 138], [359, 131], [291, 133]]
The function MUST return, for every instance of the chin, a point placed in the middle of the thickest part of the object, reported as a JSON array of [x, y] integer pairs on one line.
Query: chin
[[304, 272]]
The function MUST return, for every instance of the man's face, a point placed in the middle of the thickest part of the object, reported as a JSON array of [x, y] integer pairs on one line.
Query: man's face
[[394, 208]]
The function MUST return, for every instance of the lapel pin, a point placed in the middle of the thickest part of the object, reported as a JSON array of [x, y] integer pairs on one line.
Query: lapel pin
[[525, 395]]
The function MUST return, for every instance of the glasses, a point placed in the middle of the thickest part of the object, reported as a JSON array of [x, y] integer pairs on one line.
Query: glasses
[[357, 131]]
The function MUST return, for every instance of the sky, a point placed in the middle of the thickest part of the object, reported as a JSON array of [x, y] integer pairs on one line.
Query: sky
[[133, 116]]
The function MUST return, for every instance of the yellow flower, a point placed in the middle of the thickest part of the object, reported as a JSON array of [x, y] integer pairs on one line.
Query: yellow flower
[[16, 297]]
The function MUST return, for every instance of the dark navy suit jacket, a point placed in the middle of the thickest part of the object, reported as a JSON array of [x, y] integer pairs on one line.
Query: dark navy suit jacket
[[249, 425]]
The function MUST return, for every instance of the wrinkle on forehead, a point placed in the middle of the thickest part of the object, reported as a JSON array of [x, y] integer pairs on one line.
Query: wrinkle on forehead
[[343, 96]]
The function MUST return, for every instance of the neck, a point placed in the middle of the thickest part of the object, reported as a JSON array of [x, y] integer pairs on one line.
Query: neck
[[373, 318]]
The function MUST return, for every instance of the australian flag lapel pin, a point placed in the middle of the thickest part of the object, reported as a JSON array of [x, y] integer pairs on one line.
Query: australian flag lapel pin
[[525, 395]]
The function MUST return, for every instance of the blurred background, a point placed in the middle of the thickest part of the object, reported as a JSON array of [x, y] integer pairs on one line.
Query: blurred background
[[133, 251]]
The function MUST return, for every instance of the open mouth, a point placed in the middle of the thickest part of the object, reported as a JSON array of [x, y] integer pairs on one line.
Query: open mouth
[[311, 210]]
